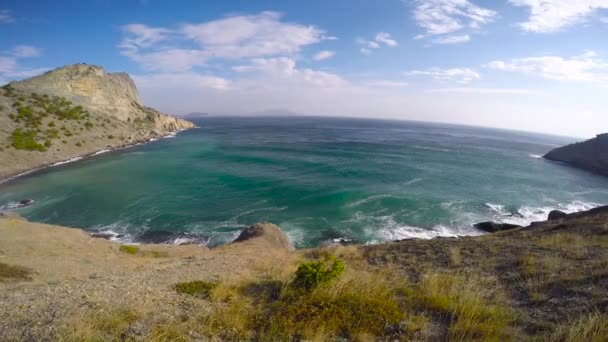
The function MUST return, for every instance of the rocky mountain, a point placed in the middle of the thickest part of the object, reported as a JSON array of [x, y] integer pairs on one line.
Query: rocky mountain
[[590, 155], [73, 111]]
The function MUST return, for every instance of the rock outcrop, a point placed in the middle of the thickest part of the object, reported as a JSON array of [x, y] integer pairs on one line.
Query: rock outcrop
[[556, 215], [493, 227], [112, 94], [590, 155], [270, 234]]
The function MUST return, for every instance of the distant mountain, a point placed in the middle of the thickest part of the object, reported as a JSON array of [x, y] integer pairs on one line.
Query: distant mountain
[[195, 115], [590, 155], [276, 112]]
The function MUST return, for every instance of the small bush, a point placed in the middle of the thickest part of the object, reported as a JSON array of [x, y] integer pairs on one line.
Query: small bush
[[78, 144], [129, 249], [197, 288], [312, 274]]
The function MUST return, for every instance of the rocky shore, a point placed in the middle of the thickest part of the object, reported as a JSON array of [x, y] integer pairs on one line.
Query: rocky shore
[[547, 281]]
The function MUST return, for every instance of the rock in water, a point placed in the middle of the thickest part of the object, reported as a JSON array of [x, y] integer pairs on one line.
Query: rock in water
[[556, 215], [590, 155], [26, 202], [493, 227]]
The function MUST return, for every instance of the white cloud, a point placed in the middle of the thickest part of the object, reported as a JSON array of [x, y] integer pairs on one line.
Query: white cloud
[[10, 66], [586, 67], [231, 38], [173, 80], [26, 51], [499, 91], [460, 75], [440, 17], [283, 70], [452, 39], [385, 38], [553, 15], [321, 55], [386, 83], [381, 38], [6, 17]]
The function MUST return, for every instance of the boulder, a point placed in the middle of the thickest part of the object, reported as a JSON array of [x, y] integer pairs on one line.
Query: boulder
[[556, 215], [493, 227], [267, 234]]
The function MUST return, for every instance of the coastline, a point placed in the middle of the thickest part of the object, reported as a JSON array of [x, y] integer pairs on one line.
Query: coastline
[[87, 156]]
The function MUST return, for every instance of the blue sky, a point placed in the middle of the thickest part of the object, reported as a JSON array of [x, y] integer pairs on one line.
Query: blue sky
[[536, 65]]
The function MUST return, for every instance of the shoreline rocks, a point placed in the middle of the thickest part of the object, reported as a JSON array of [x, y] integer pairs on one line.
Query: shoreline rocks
[[493, 227]]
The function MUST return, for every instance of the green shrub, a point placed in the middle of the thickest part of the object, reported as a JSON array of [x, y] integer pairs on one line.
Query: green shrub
[[197, 288], [52, 124], [129, 249], [312, 274], [26, 140], [78, 144]]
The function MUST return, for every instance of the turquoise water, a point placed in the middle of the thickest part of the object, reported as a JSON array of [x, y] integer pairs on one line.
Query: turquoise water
[[319, 179]]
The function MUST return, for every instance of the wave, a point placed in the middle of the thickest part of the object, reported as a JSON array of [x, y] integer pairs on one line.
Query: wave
[[525, 215], [535, 156], [71, 160], [436, 149], [101, 152]]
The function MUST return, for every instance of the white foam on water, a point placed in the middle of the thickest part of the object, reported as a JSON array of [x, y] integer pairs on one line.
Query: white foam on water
[[367, 200], [101, 152], [71, 160], [525, 215], [535, 156]]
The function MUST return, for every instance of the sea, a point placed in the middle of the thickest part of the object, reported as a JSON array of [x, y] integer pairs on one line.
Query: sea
[[322, 180]]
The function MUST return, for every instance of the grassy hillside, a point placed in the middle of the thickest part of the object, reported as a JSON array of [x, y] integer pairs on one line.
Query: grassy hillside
[[37, 129], [547, 282]]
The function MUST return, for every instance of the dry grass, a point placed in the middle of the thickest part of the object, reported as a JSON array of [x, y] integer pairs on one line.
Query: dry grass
[[590, 328], [111, 325], [14, 273], [476, 307]]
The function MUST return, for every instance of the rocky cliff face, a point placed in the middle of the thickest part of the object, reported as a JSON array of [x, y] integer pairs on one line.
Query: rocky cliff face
[[591, 155], [112, 94]]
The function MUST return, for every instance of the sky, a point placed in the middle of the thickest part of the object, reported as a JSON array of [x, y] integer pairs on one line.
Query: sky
[[533, 65]]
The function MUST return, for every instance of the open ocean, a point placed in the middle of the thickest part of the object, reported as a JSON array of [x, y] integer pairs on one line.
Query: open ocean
[[319, 179]]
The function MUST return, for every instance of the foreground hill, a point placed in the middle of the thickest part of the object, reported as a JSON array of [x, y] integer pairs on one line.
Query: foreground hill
[[70, 112], [590, 155], [545, 282]]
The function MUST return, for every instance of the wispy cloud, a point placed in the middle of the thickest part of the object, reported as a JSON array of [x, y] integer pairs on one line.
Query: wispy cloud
[[10, 63], [586, 67], [6, 17], [231, 38], [553, 15], [498, 91], [444, 17], [322, 55], [460, 75], [381, 39], [457, 39], [26, 51]]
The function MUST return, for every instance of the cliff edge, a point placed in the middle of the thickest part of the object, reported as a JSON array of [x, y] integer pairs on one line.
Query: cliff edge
[[590, 155]]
